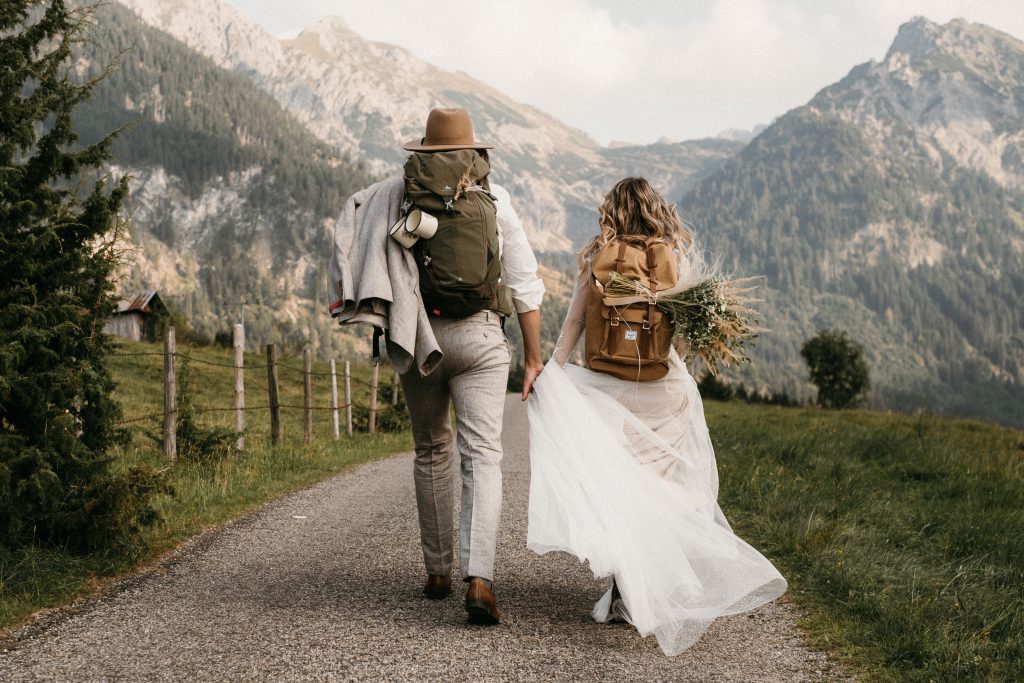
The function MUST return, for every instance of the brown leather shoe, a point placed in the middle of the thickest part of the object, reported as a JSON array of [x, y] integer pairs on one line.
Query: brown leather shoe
[[480, 603], [437, 587]]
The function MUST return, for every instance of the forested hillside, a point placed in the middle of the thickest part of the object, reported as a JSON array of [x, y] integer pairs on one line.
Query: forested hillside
[[232, 200], [876, 208]]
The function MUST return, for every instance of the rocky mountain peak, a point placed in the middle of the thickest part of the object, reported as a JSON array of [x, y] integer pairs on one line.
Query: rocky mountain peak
[[213, 28], [331, 25], [973, 49], [956, 86], [332, 40], [332, 34], [916, 38]]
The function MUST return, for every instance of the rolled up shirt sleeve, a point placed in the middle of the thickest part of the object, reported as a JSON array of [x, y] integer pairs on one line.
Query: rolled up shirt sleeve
[[518, 262]]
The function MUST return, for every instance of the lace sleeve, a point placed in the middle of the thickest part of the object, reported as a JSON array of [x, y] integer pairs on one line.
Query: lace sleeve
[[575, 319]]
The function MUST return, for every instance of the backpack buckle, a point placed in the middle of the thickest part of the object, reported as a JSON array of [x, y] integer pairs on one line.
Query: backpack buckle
[[614, 322], [647, 324]]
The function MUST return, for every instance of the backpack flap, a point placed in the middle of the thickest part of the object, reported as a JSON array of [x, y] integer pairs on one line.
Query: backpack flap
[[652, 264], [439, 173]]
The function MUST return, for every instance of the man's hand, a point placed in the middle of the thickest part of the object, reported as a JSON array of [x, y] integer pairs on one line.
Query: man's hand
[[529, 323], [531, 371]]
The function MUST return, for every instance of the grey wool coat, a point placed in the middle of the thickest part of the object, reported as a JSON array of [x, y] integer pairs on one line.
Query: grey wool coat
[[373, 279]]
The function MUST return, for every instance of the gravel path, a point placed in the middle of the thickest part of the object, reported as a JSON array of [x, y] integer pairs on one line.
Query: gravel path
[[324, 585]]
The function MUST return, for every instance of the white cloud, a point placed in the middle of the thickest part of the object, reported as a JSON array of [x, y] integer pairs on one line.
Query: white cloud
[[680, 69]]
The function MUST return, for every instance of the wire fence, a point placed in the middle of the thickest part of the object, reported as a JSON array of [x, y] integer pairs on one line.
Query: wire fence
[[311, 379], [191, 358]]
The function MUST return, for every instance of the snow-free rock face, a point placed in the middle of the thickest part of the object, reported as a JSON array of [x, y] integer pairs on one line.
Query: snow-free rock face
[[367, 98], [957, 87]]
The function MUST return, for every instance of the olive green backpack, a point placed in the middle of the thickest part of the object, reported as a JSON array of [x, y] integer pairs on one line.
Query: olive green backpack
[[459, 267]]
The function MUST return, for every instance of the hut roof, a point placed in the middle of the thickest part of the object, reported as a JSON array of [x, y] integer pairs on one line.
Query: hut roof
[[145, 302]]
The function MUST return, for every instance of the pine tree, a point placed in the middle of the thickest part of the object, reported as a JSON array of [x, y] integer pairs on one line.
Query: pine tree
[[58, 230]]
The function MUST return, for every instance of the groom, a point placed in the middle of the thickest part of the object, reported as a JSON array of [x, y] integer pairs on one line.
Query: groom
[[472, 376], [447, 357]]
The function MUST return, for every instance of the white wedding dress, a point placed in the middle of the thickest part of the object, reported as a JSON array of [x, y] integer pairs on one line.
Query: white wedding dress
[[623, 476]]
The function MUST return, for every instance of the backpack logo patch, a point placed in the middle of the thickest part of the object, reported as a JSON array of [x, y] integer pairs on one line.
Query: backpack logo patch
[[630, 335]]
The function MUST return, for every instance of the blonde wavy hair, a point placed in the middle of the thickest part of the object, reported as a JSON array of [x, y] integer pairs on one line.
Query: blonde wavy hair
[[634, 208]]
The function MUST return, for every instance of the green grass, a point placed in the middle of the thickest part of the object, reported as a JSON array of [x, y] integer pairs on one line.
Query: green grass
[[206, 493], [901, 536]]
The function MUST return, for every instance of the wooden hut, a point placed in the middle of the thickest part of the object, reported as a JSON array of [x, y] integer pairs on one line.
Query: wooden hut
[[137, 316]]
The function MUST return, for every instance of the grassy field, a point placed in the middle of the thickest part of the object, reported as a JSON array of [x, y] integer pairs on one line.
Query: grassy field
[[206, 492], [901, 536]]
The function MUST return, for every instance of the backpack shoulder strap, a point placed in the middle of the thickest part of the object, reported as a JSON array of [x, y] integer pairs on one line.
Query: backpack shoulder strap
[[652, 277], [621, 258], [652, 268]]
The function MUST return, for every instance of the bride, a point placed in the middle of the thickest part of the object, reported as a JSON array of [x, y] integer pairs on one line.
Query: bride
[[623, 471]]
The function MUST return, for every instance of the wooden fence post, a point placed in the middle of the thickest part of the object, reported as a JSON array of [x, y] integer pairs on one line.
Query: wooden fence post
[[348, 398], [394, 388], [334, 401], [170, 397], [275, 401], [239, 344], [307, 393], [373, 398]]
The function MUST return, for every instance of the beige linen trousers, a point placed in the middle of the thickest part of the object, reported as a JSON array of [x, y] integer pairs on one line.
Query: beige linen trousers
[[473, 377]]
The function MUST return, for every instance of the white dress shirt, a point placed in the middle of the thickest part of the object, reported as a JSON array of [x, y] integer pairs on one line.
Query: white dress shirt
[[518, 263]]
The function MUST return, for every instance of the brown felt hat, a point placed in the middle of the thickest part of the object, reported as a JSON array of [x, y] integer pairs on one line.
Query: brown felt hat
[[446, 129]]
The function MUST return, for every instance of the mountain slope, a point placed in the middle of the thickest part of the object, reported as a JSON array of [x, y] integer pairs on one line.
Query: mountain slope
[[233, 199], [891, 205], [367, 98]]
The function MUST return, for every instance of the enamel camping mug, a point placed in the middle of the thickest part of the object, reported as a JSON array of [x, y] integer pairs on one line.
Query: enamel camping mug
[[413, 226]]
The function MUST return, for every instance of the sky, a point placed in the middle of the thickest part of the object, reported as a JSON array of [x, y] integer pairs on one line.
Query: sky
[[641, 70]]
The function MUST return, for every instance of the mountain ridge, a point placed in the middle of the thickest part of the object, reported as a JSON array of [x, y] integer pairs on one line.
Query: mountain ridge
[[370, 97], [974, 126], [891, 205]]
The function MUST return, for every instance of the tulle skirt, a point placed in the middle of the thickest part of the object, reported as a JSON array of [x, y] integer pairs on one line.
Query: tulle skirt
[[623, 476]]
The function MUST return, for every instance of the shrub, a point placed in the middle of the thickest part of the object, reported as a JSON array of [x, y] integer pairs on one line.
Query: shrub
[[713, 389], [391, 419], [837, 368]]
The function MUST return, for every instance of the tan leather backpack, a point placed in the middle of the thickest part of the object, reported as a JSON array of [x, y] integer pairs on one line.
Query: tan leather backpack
[[629, 337]]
